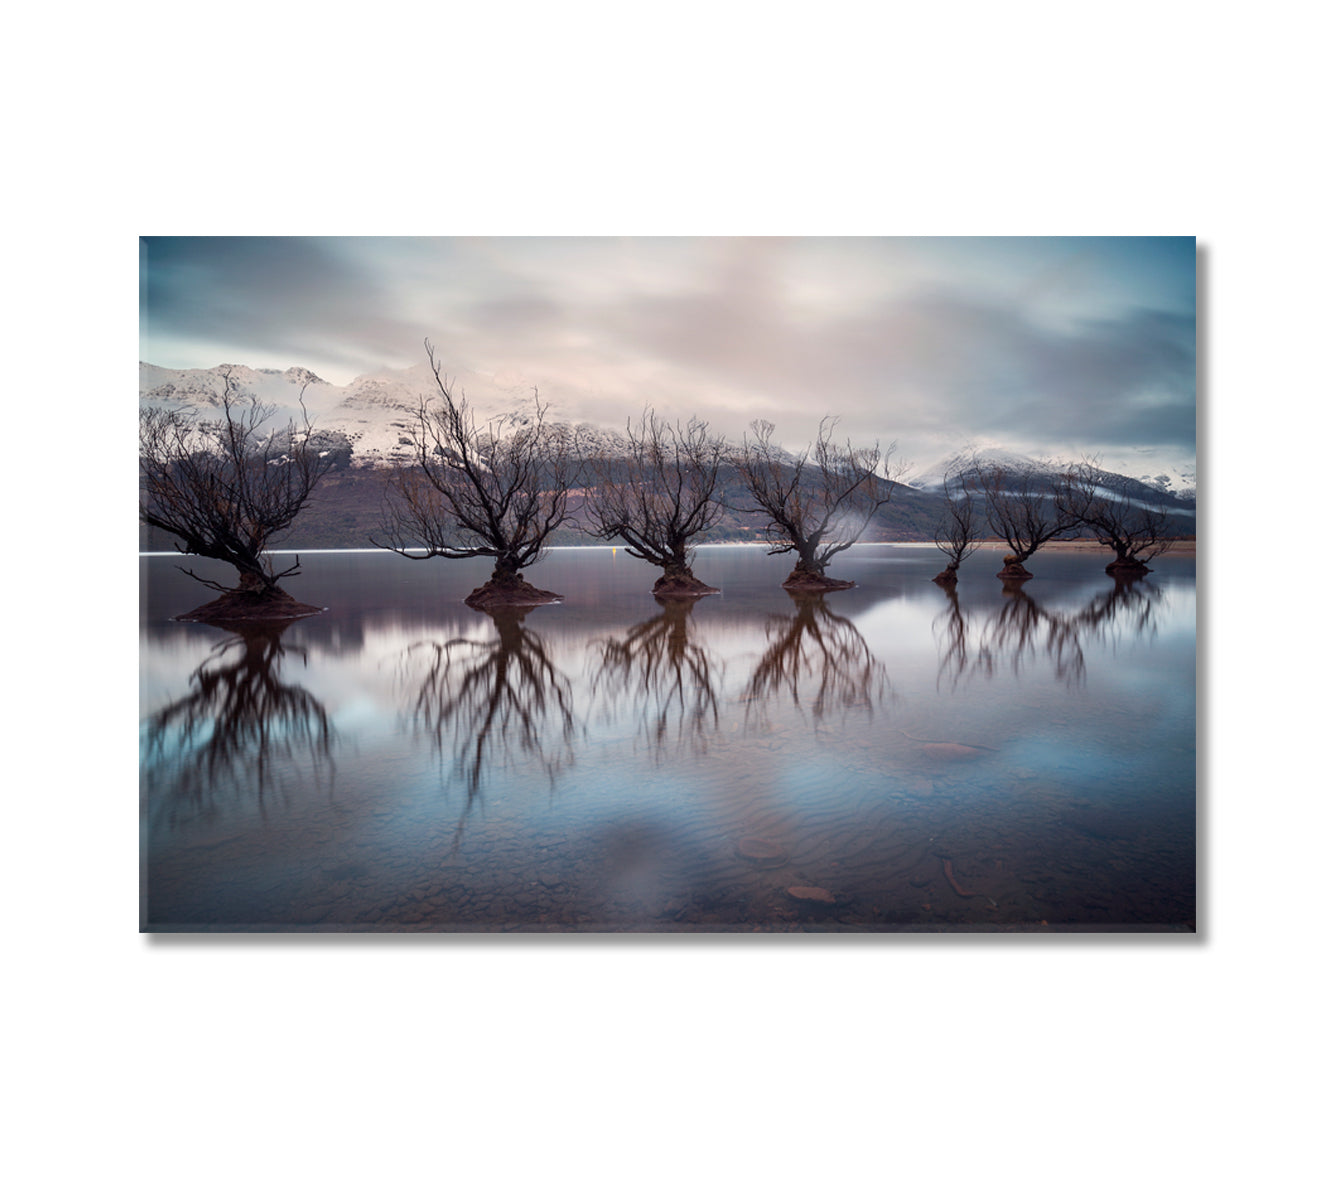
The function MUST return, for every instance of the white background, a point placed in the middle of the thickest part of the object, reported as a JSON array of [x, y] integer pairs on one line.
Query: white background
[[627, 1067]]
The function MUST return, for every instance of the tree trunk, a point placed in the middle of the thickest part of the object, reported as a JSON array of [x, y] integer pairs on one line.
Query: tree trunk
[[254, 582], [1014, 568], [506, 573]]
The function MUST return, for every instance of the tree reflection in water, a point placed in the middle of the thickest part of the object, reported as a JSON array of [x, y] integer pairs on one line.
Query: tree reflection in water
[[818, 653], [238, 724], [673, 678], [1022, 630], [498, 701]]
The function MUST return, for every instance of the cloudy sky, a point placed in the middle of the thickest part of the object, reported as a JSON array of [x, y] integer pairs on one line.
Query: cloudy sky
[[1044, 345]]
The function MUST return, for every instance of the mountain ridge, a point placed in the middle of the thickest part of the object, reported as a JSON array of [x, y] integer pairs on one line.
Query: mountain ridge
[[367, 427], [376, 412]]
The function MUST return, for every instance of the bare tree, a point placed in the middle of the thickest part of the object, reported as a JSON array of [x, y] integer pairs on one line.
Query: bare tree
[[481, 491], [958, 533], [660, 498], [225, 487], [1136, 532], [818, 503], [1021, 509]]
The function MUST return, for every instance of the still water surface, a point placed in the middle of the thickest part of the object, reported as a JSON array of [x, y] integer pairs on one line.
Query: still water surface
[[902, 756]]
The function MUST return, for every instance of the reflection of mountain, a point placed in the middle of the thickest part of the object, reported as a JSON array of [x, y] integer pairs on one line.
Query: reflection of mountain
[[499, 701], [663, 669], [821, 661], [238, 723], [1023, 630]]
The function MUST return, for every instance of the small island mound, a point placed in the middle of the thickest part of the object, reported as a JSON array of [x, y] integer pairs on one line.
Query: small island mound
[[803, 579], [1014, 569], [243, 604], [1128, 566], [511, 592], [681, 584]]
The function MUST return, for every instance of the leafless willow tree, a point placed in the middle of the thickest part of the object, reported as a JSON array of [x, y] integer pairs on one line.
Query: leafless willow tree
[[225, 487], [959, 531], [497, 490], [660, 498], [1021, 510], [1137, 533], [817, 503]]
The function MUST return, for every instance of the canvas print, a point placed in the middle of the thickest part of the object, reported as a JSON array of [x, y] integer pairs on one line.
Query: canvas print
[[676, 585]]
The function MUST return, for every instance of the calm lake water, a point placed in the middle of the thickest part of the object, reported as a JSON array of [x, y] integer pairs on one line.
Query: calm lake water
[[906, 758]]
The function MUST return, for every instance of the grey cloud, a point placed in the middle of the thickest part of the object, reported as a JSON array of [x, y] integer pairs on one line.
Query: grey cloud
[[936, 359], [729, 328], [992, 368], [290, 297]]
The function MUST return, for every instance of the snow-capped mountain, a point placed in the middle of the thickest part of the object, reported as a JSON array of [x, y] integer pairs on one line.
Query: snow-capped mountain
[[369, 423], [1175, 481], [375, 412]]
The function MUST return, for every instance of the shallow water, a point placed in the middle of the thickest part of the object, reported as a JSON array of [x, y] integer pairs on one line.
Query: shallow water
[[976, 760]]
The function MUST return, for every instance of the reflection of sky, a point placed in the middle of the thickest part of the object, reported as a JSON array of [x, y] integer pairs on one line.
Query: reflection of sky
[[1131, 713]]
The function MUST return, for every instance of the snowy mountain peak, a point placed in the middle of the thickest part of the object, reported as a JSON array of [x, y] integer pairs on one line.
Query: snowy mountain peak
[[300, 375], [933, 477], [1178, 481], [376, 414]]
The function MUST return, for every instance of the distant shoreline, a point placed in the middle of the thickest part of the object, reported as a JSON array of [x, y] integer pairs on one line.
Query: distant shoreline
[[1180, 547]]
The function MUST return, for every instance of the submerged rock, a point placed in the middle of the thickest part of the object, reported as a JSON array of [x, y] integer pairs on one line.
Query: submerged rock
[[812, 895], [761, 852]]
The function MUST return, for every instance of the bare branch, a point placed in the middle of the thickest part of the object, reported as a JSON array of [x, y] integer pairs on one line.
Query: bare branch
[[1137, 532], [661, 497], [225, 487], [1021, 509], [959, 531], [498, 490], [818, 503]]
